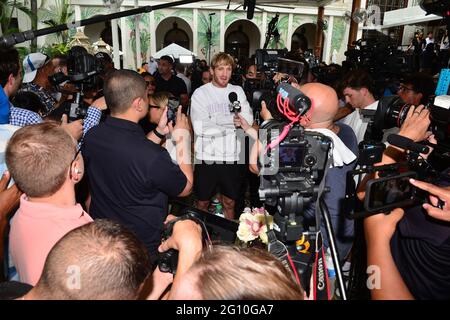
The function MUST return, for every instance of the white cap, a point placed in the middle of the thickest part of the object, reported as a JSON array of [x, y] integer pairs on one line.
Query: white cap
[[31, 64]]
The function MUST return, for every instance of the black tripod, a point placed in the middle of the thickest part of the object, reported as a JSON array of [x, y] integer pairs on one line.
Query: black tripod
[[290, 223]]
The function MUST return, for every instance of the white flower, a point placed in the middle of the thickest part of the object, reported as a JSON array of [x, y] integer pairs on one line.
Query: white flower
[[252, 224]]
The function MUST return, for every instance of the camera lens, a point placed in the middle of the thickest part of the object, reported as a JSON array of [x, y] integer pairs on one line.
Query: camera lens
[[396, 113], [310, 160]]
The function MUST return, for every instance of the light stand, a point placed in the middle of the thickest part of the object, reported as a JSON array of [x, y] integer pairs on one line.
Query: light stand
[[209, 37]]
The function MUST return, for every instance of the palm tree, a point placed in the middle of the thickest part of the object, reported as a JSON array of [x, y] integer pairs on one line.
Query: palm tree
[[7, 8], [59, 13]]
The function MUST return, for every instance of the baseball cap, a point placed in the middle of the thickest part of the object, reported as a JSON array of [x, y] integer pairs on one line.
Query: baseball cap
[[31, 63]]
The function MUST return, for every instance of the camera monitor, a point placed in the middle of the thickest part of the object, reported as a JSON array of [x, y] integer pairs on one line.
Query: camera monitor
[[291, 155], [387, 193], [291, 67]]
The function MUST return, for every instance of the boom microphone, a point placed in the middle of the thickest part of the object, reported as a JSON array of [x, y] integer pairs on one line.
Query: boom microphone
[[297, 100], [407, 144]]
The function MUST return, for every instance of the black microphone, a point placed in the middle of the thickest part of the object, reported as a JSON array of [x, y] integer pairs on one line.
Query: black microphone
[[235, 105], [407, 144], [297, 100]]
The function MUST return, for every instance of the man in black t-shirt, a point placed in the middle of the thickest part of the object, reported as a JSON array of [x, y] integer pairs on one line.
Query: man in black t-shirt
[[130, 175], [166, 81]]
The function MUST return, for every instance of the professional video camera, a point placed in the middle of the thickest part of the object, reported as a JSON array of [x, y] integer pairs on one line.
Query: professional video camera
[[379, 56], [290, 175], [269, 62], [83, 70], [393, 190], [392, 112], [292, 171]]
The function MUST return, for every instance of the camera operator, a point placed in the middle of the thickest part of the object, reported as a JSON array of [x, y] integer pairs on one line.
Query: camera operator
[[38, 69], [416, 88], [11, 78], [322, 116], [358, 90], [413, 249]]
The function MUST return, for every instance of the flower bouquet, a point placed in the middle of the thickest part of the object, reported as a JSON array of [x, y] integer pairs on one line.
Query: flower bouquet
[[252, 229]]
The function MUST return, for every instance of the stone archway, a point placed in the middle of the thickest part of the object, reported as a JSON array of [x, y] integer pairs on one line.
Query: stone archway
[[174, 30], [242, 38], [304, 37]]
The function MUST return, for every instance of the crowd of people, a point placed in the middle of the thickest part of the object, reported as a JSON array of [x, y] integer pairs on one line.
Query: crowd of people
[[430, 54], [83, 203]]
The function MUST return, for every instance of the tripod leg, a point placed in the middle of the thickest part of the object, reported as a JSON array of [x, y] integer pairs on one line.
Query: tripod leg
[[334, 253]]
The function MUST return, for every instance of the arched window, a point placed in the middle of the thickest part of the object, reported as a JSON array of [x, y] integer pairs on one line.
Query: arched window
[[177, 36], [237, 44], [299, 41]]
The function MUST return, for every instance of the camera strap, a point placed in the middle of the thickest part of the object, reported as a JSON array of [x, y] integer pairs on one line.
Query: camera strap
[[320, 275], [279, 250]]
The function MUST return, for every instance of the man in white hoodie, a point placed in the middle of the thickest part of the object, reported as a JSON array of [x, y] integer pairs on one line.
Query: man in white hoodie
[[217, 147]]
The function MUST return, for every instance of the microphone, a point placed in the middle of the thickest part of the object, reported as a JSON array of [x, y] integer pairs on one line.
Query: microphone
[[407, 144], [235, 105], [297, 100]]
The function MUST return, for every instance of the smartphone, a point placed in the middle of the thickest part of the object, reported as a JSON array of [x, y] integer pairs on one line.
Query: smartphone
[[387, 193], [172, 109]]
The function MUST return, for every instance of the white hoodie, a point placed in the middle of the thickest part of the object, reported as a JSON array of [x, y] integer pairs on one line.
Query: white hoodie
[[215, 134]]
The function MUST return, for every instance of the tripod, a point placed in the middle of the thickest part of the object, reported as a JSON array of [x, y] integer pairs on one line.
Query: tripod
[[290, 223]]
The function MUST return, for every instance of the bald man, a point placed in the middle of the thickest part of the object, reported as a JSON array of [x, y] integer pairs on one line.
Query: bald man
[[326, 106]]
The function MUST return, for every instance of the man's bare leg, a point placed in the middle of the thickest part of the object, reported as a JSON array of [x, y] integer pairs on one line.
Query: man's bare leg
[[228, 207], [203, 205]]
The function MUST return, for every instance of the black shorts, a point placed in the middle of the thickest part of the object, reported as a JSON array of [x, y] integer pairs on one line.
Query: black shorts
[[212, 178]]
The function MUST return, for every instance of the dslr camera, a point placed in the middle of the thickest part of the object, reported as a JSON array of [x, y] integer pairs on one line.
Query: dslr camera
[[270, 62], [168, 260]]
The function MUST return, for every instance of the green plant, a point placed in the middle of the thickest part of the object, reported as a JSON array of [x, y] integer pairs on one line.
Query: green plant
[[55, 49], [144, 24], [203, 27], [59, 13], [7, 8]]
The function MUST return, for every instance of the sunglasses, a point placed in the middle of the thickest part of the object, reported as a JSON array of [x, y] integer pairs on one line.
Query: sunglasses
[[153, 106], [404, 88], [150, 83]]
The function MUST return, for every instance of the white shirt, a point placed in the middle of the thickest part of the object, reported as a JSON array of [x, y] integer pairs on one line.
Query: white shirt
[[444, 43], [359, 124], [186, 81], [216, 137], [152, 67]]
